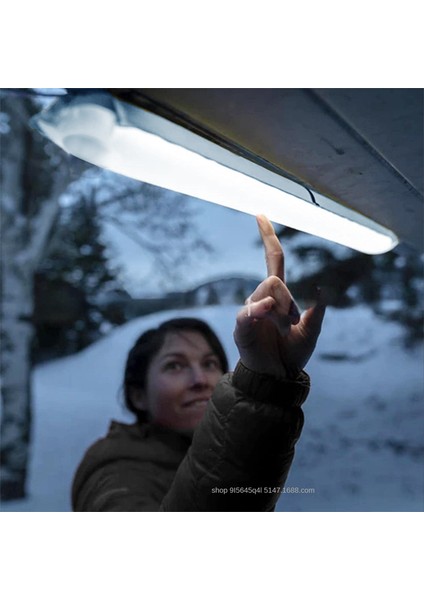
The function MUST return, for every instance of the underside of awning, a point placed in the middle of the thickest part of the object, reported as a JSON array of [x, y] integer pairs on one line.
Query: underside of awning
[[361, 147]]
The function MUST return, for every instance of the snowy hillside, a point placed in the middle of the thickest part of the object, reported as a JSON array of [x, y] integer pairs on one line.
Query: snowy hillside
[[362, 447]]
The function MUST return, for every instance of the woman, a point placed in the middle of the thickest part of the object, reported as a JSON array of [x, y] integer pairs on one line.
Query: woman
[[205, 441]]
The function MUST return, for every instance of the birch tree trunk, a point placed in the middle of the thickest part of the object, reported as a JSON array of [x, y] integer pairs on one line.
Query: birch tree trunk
[[17, 334], [30, 190]]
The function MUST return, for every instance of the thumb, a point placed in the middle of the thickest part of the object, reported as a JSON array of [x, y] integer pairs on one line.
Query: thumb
[[312, 318]]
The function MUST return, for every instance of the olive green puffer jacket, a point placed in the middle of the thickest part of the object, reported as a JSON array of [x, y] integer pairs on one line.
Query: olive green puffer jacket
[[237, 460]]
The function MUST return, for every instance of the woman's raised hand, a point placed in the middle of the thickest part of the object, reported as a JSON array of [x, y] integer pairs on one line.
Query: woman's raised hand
[[271, 335]]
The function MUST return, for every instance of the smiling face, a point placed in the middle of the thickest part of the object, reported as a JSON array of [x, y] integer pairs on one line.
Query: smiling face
[[180, 380]]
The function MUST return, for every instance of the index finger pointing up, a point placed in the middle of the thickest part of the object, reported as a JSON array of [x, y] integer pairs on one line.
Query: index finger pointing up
[[273, 251]]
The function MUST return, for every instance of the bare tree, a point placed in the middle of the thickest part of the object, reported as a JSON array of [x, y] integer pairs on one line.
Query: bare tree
[[159, 221]]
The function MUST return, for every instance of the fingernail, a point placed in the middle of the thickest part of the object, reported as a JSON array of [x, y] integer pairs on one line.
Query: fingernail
[[249, 301]]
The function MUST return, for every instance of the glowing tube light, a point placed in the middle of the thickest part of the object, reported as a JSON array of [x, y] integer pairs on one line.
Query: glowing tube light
[[148, 148]]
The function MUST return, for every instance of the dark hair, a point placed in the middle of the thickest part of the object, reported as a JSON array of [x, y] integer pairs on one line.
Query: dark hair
[[149, 344]]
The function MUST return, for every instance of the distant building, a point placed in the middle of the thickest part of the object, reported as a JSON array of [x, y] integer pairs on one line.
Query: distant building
[[228, 290]]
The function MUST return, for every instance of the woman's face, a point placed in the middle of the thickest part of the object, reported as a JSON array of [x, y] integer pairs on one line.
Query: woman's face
[[180, 381]]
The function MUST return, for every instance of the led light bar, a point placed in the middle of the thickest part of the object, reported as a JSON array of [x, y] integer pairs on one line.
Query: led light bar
[[138, 144]]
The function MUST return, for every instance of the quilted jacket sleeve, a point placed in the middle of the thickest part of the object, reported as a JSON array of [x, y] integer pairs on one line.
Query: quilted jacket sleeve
[[243, 449]]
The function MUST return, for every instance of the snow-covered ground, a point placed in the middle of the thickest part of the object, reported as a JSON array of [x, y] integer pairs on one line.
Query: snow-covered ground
[[362, 447]]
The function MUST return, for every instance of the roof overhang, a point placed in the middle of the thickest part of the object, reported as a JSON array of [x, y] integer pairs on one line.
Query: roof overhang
[[362, 148]]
